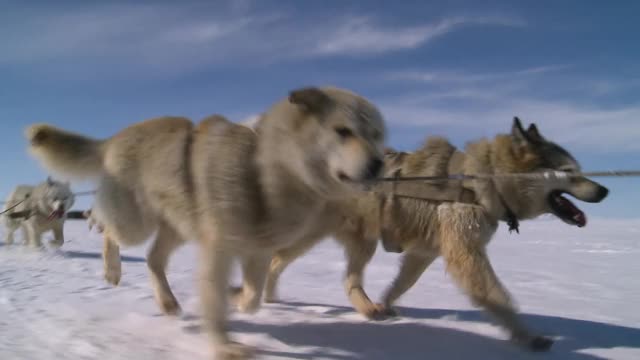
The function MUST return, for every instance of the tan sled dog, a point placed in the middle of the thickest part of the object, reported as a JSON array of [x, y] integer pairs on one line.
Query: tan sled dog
[[459, 232], [243, 194]]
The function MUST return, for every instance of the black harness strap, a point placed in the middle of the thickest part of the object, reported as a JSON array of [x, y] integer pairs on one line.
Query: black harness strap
[[25, 214]]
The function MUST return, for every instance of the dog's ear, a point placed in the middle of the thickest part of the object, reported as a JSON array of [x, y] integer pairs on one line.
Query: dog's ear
[[524, 138], [533, 134], [50, 181], [310, 100]]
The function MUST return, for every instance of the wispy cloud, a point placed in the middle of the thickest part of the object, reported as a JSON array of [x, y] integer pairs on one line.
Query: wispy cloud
[[362, 36], [185, 37], [449, 77], [587, 129], [481, 104]]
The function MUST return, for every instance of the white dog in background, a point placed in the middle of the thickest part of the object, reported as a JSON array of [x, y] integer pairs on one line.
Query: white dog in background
[[38, 209]]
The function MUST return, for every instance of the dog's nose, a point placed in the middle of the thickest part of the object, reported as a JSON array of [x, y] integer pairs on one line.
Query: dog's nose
[[602, 193], [374, 167]]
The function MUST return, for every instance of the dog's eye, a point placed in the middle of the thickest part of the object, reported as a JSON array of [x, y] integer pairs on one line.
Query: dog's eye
[[344, 132]]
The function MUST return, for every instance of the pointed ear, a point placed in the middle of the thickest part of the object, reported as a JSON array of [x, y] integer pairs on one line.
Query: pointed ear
[[533, 134], [518, 133], [310, 100], [49, 181]]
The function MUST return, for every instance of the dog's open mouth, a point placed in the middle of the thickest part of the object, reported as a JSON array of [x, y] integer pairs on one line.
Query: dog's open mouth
[[56, 214], [566, 210]]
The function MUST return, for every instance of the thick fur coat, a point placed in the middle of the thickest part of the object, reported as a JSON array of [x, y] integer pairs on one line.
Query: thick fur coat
[[424, 225], [241, 193]]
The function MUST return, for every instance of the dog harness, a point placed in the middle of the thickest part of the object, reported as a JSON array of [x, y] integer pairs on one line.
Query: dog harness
[[438, 191]]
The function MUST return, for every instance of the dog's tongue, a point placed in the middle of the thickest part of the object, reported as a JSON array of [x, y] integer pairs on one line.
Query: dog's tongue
[[577, 215]]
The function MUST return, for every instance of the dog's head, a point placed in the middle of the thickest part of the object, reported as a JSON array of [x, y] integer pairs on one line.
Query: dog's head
[[334, 138], [533, 153], [58, 198]]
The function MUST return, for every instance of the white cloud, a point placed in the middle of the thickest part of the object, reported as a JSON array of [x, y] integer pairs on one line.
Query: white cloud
[[449, 77], [473, 105], [584, 128], [170, 37], [362, 36]]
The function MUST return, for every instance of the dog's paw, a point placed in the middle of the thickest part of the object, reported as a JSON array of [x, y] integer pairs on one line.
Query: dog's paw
[[170, 306], [37, 245], [56, 244], [248, 304], [113, 276], [379, 312], [540, 343], [249, 307], [234, 351], [534, 343], [245, 303], [271, 299]]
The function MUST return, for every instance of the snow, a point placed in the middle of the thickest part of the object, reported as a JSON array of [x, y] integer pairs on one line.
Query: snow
[[579, 285]]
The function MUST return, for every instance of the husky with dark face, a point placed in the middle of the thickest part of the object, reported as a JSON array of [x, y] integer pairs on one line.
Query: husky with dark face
[[39, 209], [458, 229], [242, 193]]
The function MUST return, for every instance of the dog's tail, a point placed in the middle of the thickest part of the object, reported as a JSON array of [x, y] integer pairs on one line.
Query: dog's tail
[[68, 155]]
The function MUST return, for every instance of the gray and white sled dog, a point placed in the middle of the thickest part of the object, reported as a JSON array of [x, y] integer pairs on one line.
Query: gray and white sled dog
[[39, 209], [242, 193], [459, 229]]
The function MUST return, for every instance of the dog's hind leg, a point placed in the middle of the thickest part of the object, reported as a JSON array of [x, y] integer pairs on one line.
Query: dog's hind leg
[[281, 260], [111, 259], [254, 274], [165, 243], [413, 266]]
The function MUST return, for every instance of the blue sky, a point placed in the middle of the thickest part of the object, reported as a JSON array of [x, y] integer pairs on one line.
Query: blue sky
[[457, 68]]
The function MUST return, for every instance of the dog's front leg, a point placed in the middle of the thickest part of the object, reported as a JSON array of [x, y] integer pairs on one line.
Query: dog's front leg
[[9, 237], [34, 235], [215, 268], [58, 235], [471, 269], [254, 274], [359, 251], [111, 259]]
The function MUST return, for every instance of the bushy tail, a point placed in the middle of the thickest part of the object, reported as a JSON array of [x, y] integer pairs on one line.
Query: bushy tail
[[68, 155]]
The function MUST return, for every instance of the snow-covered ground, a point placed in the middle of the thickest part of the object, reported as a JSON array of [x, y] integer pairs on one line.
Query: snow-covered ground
[[580, 285]]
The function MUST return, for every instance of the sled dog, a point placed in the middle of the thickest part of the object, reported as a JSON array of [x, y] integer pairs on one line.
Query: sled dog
[[458, 230], [241, 193], [38, 209]]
